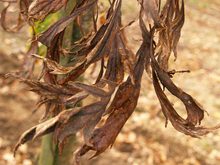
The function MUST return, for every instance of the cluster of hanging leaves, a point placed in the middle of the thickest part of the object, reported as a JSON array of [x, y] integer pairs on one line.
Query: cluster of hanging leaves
[[118, 83]]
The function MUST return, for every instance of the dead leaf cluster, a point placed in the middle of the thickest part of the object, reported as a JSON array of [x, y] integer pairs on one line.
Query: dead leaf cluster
[[118, 84]]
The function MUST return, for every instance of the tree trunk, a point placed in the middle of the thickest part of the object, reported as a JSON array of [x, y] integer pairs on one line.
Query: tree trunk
[[49, 151]]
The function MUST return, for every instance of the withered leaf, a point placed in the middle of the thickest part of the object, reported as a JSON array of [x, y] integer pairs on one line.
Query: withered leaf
[[194, 111], [120, 110], [13, 29], [93, 90], [29, 61], [185, 126], [151, 9], [37, 131], [55, 68], [172, 19], [39, 9], [47, 37]]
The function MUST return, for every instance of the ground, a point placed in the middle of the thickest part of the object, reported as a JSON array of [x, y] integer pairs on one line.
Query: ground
[[144, 140]]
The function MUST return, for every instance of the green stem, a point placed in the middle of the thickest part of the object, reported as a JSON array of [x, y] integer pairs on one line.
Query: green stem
[[50, 153], [47, 149]]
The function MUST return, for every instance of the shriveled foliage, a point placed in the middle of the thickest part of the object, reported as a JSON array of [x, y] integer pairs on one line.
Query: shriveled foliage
[[118, 83]]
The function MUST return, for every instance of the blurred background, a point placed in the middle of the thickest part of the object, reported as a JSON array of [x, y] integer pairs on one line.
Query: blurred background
[[144, 140]]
